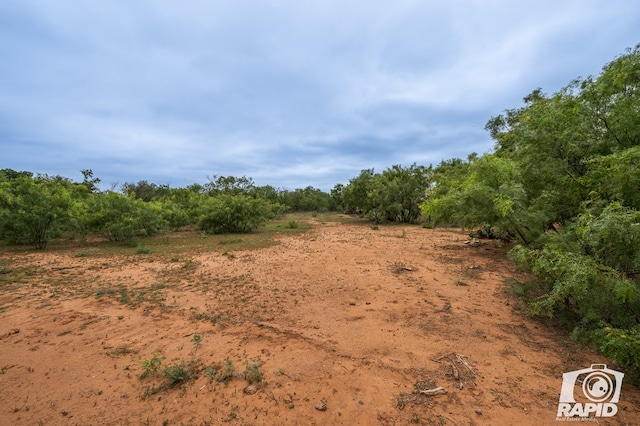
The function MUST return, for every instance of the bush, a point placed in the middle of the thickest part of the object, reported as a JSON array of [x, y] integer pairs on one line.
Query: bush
[[621, 345], [233, 214], [612, 237], [121, 218], [582, 291]]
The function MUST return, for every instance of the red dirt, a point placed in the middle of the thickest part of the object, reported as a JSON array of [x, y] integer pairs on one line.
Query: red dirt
[[345, 315]]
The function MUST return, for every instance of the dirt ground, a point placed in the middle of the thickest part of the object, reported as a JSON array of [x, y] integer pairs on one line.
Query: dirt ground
[[340, 324]]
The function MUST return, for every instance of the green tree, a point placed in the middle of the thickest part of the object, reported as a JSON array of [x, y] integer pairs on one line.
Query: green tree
[[230, 185], [393, 195], [120, 218], [32, 210], [90, 182], [143, 190], [564, 180]]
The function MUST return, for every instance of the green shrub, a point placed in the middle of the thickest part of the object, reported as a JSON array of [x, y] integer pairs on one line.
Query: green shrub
[[252, 373], [621, 345], [32, 211], [233, 214], [120, 218], [151, 366], [177, 373]]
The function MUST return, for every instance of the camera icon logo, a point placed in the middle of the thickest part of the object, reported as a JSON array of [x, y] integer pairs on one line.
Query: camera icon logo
[[590, 392]]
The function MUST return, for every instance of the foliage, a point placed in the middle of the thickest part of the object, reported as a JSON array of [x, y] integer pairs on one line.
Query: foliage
[[393, 195], [485, 190], [151, 366], [121, 218], [252, 373], [142, 190], [233, 213], [178, 372], [228, 371], [309, 199], [32, 210], [621, 345], [230, 185], [564, 181]]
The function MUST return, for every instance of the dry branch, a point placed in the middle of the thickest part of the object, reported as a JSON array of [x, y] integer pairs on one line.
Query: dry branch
[[431, 392]]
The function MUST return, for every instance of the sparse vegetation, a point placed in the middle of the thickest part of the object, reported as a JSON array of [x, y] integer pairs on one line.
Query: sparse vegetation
[[228, 371], [178, 372], [252, 373], [151, 366]]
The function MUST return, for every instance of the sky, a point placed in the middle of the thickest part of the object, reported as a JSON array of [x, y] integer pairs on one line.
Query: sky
[[291, 93]]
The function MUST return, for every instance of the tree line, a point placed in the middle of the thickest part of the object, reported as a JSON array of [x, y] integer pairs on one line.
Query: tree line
[[34, 208]]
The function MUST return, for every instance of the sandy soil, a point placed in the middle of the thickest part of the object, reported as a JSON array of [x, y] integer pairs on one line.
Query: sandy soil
[[345, 324]]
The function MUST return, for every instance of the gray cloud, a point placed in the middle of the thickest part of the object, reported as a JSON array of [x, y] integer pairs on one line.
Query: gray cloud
[[289, 93]]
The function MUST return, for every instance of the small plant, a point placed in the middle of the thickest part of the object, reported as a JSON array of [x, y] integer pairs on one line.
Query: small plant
[[143, 249], [252, 373], [228, 371], [292, 224], [210, 371], [197, 341], [178, 373], [151, 366]]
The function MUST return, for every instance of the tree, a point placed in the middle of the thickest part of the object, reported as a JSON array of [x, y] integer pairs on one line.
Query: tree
[[308, 199], [564, 180], [89, 181], [121, 218], [32, 211], [230, 185], [142, 190], [393, 195]]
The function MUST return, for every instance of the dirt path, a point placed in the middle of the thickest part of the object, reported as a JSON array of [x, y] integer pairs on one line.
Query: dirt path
[[342, 324]]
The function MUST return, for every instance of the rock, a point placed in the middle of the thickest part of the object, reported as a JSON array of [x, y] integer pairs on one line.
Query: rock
[[250, 390], [321, 406]]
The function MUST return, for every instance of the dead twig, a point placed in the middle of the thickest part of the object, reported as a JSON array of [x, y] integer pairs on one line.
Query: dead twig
[[431, 392], [464, 362]]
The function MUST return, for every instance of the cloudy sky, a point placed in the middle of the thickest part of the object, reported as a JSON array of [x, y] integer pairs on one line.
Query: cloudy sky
[[289, 92]]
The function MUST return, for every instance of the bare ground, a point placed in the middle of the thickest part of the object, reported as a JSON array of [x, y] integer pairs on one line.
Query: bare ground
[[342, 324]]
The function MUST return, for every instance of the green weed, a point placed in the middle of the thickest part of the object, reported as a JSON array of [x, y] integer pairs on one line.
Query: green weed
[[177, 373], [252, 373], [228, 371], [151, 366]]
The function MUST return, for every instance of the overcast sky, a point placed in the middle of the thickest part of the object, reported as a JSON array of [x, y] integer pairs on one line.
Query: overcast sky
[[289, 92]]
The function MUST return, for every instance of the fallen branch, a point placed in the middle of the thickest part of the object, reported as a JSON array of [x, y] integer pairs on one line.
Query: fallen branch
[[431, 392], [464, 362]]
